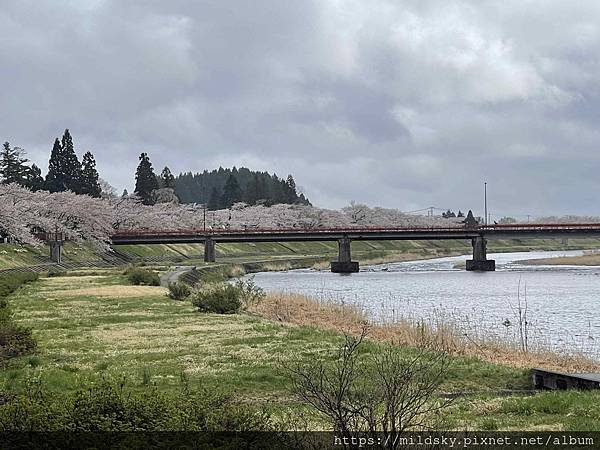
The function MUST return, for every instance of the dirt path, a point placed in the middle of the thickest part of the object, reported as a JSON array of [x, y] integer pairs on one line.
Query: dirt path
[[173, 275]]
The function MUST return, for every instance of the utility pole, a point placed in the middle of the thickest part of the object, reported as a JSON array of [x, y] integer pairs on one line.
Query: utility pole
[[204, 215], [485, 202]]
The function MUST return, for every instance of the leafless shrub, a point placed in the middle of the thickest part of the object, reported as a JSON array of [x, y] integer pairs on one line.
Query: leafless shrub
[[380, 393]]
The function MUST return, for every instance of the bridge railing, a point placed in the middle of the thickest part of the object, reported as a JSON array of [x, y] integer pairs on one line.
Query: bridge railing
[[258, 231], [540, 227], [336, 230]]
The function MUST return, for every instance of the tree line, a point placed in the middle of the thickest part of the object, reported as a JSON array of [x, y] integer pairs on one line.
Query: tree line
[[221, 188], [65, 172], [217, 189]]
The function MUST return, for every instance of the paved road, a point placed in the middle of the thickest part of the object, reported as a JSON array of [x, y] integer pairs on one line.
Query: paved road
[[173, 275]]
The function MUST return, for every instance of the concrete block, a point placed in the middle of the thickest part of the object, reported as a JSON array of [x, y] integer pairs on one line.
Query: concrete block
[[344, 267], [488, 265]]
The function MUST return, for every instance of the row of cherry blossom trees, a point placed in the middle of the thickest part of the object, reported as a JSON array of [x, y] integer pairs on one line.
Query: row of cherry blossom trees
[[24, 214]]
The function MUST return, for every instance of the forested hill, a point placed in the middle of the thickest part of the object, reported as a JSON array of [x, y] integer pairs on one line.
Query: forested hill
[[223, 187]]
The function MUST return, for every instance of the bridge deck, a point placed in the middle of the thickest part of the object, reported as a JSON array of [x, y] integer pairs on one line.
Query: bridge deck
[[357, 233]]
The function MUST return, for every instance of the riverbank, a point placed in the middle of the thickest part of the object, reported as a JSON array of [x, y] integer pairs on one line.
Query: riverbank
[[306, 311], [93, 325], [366, 252], [590, 259]]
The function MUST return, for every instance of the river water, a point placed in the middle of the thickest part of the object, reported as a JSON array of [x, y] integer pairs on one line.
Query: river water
[[563, 302]]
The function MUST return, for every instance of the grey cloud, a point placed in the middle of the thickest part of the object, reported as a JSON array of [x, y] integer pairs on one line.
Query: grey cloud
[[394, 103]]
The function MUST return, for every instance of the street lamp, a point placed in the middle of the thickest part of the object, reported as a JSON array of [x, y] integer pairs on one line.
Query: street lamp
[[485, 202]]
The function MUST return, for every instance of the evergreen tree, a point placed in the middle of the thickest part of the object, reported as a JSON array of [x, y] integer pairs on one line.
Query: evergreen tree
[[167, 180], [251, 195], [303, 200], [292, 195], [71, 165], [278, 191], [35, 181], [470, 220], [12, 165], [145, 180], [125, 193], [256, 187], [231, 192], [214, 202], [55, 178], [89, 176], [64, 170]]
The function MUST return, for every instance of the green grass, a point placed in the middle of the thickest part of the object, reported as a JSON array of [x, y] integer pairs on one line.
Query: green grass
[[22, 256], [90, 326], [545, 411]]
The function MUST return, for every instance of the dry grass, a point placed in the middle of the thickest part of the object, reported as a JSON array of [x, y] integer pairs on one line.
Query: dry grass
[[302, 310], [110, 291], [392, 257], [584, 260]]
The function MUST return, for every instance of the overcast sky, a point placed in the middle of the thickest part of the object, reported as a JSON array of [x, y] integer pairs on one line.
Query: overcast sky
[[394, 103]]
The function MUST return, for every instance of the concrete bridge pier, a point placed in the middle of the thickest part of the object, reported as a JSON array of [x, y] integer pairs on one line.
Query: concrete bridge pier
[[480, 262], [209, 250], [344, 264], [56, 251]]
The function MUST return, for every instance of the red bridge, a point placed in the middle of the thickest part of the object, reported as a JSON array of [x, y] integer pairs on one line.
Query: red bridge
[[477, 234]]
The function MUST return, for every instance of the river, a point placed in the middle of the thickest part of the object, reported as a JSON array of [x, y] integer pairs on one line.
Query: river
[[562, 302]]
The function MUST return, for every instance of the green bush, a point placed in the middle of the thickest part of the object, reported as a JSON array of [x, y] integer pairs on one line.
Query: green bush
[[56, 272], [10, 282], [179, 291], [219, 298], [15, 340], [110, 406], [250, 294], [144, 277]]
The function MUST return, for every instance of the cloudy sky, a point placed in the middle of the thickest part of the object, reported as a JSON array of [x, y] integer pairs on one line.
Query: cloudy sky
[[399, 103]]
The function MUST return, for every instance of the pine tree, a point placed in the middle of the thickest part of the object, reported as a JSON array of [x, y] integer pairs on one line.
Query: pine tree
[[89, 177], [292, 195], [231, 192], [470, 219], [55, 178], [125, 193], [64, 170], [197, 187], [71, 165], [214, 201], [251, 195], [35, 181], [303, 200], [12, 165], [145, 180], [167, 180]]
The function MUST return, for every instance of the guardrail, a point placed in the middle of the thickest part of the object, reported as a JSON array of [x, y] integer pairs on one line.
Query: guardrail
[[337, 230]]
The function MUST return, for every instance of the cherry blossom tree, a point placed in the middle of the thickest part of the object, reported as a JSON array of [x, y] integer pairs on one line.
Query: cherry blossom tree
[[25, 214]]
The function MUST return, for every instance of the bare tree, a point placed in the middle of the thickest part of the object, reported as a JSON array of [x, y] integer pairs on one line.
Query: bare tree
[[380, 394]]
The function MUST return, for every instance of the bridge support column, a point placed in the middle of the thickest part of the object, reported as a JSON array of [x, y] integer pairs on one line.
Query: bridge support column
[[344, 264], [480, 262], [56, 251], [209, 250]]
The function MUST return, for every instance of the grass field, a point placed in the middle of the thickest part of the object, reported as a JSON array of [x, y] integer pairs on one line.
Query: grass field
[[91, 325], [592, 259], [13, 256]]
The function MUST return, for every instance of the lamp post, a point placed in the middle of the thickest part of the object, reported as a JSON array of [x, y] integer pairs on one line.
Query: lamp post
[[485, 201]]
